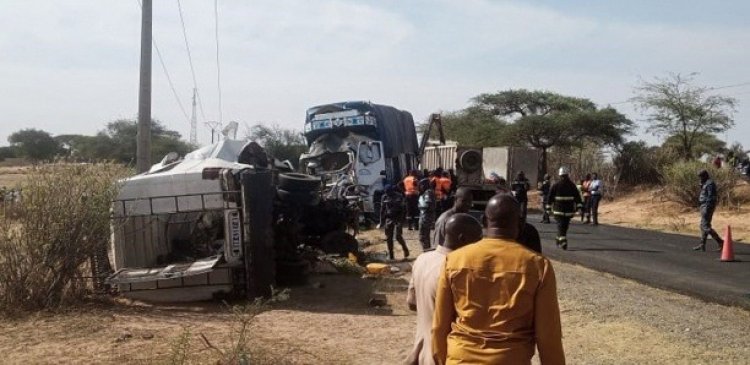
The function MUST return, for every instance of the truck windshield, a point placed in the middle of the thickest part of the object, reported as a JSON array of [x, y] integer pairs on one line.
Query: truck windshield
[[334, 161]]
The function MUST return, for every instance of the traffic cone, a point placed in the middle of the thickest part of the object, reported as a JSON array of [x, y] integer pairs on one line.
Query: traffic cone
[[727, 253]]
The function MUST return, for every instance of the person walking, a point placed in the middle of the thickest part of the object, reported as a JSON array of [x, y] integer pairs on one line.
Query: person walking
[[460, 230], [461, 204], [411, 193], [586, 194], [496, 299], [427, 211], [564, 200], [707, 202], [544, 190], [392, 217], [520, 187], [595, 188]]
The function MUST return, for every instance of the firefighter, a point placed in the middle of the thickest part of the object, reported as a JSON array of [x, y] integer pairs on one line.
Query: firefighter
[[544, 189], [707, 200], [565, 200], [392, 216], [411, 192], [520, 187]]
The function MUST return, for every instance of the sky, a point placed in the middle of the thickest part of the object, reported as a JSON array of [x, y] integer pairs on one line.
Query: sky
[[72, 66]]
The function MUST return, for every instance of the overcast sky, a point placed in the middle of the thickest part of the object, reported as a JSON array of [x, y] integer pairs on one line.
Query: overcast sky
[[72, 66]]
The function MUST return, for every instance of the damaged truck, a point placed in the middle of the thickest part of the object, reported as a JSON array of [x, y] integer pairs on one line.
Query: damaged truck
[[355, 147], [225, 220]]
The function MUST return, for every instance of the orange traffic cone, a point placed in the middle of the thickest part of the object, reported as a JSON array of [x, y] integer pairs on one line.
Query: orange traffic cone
[[727, 253]]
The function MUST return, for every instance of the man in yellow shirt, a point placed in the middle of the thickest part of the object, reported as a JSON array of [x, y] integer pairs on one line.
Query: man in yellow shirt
[[497, 299]]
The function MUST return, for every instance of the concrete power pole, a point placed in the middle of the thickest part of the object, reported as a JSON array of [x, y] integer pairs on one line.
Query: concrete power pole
[[194, 123], [143, 144]]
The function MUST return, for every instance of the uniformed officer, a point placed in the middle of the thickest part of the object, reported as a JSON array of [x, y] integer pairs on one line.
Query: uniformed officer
[[707, 200], [520, 187], [392, 211], [427, 211], [565, 200]]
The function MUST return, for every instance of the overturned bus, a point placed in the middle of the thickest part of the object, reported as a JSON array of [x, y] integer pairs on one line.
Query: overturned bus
[[225, 220]]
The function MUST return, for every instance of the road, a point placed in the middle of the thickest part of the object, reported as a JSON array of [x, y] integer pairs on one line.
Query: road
[[657, 259]]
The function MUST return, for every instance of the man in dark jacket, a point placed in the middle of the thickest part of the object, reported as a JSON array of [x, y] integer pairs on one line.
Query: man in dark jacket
[[520, 187], [707, 200], [392, 213], [565, 200]]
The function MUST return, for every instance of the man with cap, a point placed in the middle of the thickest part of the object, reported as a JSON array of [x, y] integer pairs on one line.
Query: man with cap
[[460, 230], [392, 216], [707, 201], [496, 299], [461, 204], [565, 200]]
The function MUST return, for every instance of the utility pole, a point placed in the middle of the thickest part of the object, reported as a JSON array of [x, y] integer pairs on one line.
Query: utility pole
[[194, 123], [143, 143], [214, 126]]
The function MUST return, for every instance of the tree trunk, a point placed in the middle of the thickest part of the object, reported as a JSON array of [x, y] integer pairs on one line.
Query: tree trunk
[[542, 169]]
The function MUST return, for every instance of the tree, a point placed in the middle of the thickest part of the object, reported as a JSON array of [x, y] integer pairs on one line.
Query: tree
[[472, 126], [544, 119], [281, 143], [703, 144], [677, 108], [121, 136], [34, 144], [637, 163]]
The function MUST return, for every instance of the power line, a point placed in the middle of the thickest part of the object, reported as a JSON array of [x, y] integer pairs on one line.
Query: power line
[[190, 59], [729, 86], [166, 73], [218, 64]]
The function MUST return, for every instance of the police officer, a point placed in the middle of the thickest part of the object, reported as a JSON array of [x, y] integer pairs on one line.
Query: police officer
[[544, 189], [392, 211], [565, 200], [520, 187], [707, 200]]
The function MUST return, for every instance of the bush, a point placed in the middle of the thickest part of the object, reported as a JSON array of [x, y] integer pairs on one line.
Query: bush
[[683, 185], [61, 222]]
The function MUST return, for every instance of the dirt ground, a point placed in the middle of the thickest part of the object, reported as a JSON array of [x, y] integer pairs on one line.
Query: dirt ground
[[606, 320], [651, 210], [10, 177]]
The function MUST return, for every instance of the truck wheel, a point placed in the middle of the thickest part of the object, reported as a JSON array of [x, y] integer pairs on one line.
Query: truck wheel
[[298, 197], [470, 161], [339, 242], [298, 182]]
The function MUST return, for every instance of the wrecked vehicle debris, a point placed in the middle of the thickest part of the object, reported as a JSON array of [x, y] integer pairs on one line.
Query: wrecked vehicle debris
[[225, 220]]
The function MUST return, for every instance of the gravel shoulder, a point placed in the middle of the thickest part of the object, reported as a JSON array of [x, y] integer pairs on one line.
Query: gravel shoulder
[[606, 320]]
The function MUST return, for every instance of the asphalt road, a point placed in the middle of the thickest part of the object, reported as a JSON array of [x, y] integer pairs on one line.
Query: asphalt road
[[661, 260]]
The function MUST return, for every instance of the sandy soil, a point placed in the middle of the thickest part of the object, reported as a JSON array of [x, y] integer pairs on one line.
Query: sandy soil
[[651, 210], [606, 320], [11, 176]]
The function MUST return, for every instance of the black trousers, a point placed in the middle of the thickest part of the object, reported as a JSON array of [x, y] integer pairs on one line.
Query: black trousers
[[545, 212], [412, 211], [563, 223], [595, 208], [707, 214], [394, 229]]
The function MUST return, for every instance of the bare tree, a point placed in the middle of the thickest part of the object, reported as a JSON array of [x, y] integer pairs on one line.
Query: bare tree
[[675, 107]]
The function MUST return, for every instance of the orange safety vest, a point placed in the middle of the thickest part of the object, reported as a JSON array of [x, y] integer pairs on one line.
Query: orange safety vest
[[410, 185], [443, 187]]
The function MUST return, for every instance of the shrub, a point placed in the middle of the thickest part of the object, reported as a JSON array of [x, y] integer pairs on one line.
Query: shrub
[[683, 186], [61, 222]]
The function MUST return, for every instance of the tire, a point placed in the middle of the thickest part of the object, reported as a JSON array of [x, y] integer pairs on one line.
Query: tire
[[298, 197], [339, 242], [298, 182], [470, 161], [292, 272]]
